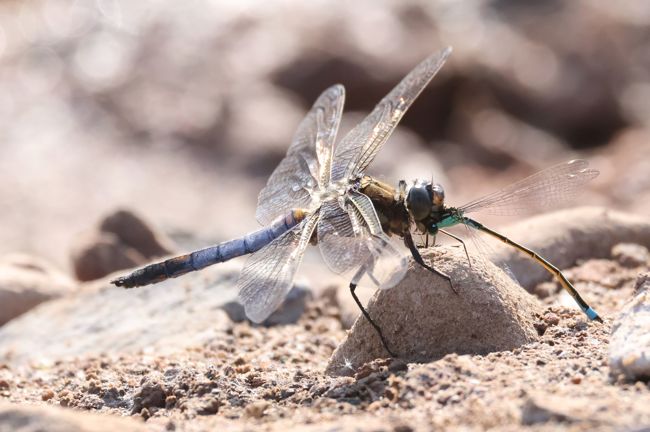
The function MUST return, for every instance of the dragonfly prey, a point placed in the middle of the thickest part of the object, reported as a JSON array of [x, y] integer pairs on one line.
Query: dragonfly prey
[[320, 194]]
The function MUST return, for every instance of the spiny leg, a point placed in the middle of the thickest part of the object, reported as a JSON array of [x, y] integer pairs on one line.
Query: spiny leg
[[353, 287], [408, 240], [461, 242]]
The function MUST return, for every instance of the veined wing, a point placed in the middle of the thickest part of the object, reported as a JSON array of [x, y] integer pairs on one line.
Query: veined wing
[[307, 164], [350, 236], [268, 274], [543, 190], [359, 147]]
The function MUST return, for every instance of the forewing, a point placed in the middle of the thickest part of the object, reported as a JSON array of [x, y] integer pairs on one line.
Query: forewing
[[268, 274], [359, 147], [541, 191], [307, 164]]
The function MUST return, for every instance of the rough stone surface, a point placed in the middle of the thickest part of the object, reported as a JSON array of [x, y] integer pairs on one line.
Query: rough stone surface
[[565, 236], [26, 281], [122, 240], [629, 350], [423, 319]]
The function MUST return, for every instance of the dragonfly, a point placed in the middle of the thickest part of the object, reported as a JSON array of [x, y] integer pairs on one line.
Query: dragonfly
[[320, 194]]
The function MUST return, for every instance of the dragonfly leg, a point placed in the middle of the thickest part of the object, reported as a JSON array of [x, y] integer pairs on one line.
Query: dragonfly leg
[[461, 242], [408, 240], [353, 287]]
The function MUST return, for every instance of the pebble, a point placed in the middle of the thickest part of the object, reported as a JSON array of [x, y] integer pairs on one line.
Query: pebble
[[630, 254], [629, 350]]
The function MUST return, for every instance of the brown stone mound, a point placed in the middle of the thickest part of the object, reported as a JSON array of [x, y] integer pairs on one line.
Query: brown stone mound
[[423, 319]]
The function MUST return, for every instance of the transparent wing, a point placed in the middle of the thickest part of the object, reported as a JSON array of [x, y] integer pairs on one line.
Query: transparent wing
[[351, 237], [543, 190], [343, 228], [307, 164], [388, 264], [359, 147], [268, 274]]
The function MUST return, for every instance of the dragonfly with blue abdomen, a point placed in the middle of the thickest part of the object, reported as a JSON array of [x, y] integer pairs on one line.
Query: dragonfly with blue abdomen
[[320, 194]]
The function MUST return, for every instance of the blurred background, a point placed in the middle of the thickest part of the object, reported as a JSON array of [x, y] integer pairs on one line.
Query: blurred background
[[180, 110]]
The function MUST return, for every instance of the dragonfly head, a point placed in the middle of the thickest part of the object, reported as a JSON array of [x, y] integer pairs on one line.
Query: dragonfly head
[[423, 199]]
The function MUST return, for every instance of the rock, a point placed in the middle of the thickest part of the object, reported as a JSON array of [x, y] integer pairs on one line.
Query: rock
[[629, 349], [122, 240], [29, 418], [135, 232], [288, 313], [27, 281], [565, 236], [423, 319], [549, 408], [97, 254], [630, 254]]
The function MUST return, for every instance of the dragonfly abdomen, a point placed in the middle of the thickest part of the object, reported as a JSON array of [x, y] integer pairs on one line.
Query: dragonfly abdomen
[[180, 265]]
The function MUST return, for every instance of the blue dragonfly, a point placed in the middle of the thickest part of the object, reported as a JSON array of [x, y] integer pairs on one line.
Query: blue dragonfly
[[320, 194]]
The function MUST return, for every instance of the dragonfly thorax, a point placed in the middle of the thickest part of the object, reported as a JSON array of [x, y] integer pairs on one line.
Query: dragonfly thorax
[[423, 199]]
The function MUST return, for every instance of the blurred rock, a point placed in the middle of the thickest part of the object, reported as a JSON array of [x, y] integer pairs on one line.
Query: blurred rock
[[629, 349], [135, 232], [30, 418], [288, 313], [630, 254], [26, 281], [98, 254], [544, 408], [123, 240], [565, 236], [423, 319]]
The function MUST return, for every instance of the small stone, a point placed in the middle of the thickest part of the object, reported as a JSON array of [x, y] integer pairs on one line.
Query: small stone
[[256, 409], [47, 394], [151, 394], [545, 289], [170, 401], [210, 406], [122, 240], [551, 319], [135, 232], [630, 254], [576, 379], [547, 408], [629, 349], [95, 255]]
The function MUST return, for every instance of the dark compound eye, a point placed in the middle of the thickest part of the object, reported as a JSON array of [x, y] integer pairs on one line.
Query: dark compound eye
[[438, 196], [418, 200]]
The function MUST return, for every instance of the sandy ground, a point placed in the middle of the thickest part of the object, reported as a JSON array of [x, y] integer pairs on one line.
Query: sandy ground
[[272, 378]]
